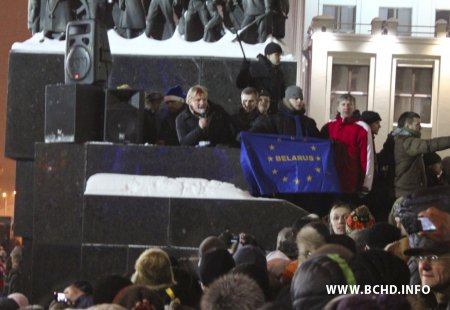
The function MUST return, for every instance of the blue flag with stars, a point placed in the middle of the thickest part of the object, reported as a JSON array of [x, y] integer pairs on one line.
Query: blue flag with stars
[[286, 164]]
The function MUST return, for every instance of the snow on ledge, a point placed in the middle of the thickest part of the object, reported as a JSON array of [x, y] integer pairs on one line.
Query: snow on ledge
[[227, 46], [111, 184]]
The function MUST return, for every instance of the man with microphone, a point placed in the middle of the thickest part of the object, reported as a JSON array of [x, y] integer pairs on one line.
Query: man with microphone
[[204, 123]]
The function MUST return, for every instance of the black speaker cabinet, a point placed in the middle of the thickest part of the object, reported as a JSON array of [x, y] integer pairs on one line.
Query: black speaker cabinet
[[74, 113], [88, 57], [124, 116]]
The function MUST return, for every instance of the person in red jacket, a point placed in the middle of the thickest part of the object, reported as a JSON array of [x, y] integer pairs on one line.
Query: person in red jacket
[[353, 148]]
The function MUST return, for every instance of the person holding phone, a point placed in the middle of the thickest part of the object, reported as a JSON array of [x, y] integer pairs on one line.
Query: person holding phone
[[79, 294]]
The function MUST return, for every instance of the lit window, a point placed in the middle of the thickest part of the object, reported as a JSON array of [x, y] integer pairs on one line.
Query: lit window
[[344, 17], [403, 16], [443, 14], [353, 79], [413, 89]]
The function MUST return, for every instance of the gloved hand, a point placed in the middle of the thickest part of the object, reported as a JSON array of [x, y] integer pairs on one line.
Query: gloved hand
[[245, 64], [363, 192]]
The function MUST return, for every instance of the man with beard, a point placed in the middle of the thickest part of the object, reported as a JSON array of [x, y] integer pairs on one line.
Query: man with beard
[[410, 175], [204, 123]]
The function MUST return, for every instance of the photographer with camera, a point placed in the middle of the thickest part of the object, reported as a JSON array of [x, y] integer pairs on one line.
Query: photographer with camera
[[77, 295], [425, 216]]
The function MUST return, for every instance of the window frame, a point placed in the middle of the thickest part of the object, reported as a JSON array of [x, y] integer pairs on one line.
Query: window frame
[[433, 63], [338, 16]]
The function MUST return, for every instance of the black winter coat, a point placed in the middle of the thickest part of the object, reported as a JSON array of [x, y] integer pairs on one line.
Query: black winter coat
[[263, 75], [220, 129], [284, 122]]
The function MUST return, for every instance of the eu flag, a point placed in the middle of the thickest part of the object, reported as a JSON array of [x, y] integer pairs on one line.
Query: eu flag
[[286, 164]]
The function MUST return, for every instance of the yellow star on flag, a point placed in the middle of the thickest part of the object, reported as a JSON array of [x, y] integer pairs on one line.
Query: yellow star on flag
[[318, 170], [309, 178], [313, 148], [274, 171], [270, 159], [285, 179], [318, 158], [271, 147], [297, 181]]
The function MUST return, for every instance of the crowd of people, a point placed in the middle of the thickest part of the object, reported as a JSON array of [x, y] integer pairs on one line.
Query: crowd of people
[[372, 235], [397, 264]]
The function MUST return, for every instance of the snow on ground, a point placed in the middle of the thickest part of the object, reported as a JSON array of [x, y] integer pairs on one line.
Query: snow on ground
[[227, 46], [111, 184]]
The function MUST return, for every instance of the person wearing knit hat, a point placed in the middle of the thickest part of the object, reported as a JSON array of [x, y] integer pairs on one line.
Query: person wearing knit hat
[[376, 199], [359, 218], [250, 254], [310, 282], [291, 119], [153, 268], [174, 98], [272, 48], [8, 304], [434, 170], [174, 93], [265, 74], [263, 102], [20, 299], [372, 119], [214, 263], [153, 101]]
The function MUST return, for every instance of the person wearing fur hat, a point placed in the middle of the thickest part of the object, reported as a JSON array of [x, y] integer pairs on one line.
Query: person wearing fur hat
[[154, 270], [203, 123], [174, 98], [265, 74]]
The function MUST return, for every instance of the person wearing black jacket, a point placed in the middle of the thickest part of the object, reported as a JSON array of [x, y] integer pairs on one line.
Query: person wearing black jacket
[[203, 123], [291, 119], [265, 74], [248, 118]]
